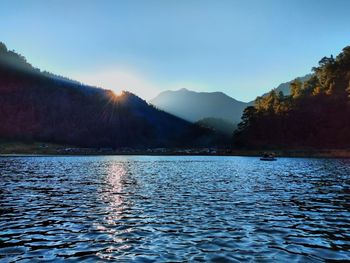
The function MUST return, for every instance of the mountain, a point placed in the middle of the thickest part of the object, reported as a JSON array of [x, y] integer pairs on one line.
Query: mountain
[[194, 106], [285, 87], [40, 106], [314, 115], [222, 126], [204, 107]]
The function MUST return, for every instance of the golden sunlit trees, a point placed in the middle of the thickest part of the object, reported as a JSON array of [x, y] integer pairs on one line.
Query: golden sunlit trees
[[315, 114]]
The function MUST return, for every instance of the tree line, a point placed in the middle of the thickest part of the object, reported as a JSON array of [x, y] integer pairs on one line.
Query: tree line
[[314, 115]]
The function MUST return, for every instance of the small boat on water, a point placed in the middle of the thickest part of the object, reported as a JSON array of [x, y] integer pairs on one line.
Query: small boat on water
[[268, 157]]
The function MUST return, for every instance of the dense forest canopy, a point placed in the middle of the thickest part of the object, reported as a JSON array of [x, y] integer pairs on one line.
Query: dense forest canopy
[[315, 114]]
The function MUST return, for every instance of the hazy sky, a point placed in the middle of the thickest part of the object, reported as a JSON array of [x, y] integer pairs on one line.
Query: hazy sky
[[243, 48]]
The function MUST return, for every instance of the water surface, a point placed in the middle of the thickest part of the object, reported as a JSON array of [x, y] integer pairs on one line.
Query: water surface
[[174, 209]]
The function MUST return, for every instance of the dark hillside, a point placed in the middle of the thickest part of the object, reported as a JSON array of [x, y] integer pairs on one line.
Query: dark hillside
[[41, 106]]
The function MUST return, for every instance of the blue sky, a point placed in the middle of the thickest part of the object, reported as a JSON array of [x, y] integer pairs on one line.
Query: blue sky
[[243, 48]]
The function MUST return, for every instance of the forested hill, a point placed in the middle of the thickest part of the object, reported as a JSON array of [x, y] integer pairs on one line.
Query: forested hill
[[40, 106], [315, 114]]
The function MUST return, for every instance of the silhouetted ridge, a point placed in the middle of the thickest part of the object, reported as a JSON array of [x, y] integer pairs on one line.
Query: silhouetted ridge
[[41, 106]]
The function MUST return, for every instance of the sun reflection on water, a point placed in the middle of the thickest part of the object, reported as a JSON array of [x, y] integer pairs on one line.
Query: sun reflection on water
[[113, 223]]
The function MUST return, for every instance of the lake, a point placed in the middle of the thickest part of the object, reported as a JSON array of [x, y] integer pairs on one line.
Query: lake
[[174, 209]]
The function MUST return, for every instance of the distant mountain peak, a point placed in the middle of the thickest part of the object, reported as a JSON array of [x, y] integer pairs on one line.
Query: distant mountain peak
[[184, 89], [285, 87], [193, 106]]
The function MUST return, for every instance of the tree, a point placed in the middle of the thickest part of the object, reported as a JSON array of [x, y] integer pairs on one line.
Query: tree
[[248, 117], [296, 89], [314, 115]]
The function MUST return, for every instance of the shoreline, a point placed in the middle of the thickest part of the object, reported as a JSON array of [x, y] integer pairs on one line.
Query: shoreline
[[341, 154], [17, 149]]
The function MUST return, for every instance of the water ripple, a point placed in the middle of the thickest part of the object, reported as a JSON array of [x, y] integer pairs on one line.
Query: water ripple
[[174, 209]]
